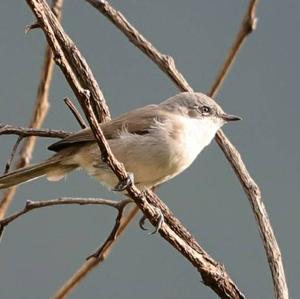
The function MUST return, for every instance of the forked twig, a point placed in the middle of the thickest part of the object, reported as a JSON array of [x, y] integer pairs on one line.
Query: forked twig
[[93, 262], [114, 233]]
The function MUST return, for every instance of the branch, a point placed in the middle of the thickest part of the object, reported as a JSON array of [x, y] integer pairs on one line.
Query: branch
[[114, 233], [247, 27], [33, 205], [69, 51], [40, 112], [251, 188], [165, 62], [93, 262], [12, 154], [212, 273], [76, 113], [27, 132]]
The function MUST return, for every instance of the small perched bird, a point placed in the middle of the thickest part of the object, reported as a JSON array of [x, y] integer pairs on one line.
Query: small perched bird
[[155, 143]]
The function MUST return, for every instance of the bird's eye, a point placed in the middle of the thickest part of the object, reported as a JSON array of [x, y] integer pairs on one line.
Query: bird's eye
[[205, 110]]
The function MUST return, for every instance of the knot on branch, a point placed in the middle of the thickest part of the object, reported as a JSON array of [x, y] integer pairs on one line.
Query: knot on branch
[[86, 94], [168, 61], [28, 28], [57, 58], [254, 189], [29, 204], [250, 24]]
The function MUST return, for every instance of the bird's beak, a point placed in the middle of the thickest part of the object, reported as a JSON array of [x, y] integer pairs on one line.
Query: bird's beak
[[228, 117]]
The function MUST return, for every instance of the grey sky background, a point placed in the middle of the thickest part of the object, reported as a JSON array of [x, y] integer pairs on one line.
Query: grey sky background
[[42, 249]]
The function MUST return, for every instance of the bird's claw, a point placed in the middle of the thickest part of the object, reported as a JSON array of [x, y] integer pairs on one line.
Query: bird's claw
[[160, 222], [122, 185], [142, 223]]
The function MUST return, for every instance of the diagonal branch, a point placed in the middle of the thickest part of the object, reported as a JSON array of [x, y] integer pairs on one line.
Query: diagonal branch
[[165, 62], [251, 188], [93, 262], [12, 154], [212, 273], [40, 112], [76, 113], [247, 27]]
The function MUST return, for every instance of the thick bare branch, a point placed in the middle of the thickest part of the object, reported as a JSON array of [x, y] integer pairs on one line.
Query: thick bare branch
[[212, 273], [40, 112], [251, 188]]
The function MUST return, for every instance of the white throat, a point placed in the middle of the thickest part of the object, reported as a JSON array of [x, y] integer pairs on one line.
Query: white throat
[[198, 133]]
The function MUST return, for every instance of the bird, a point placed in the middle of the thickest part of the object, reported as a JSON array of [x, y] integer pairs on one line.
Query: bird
[[155, 143]]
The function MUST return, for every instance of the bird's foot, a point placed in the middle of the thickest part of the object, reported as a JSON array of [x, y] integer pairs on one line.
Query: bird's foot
[[122, 185], [160, 222]]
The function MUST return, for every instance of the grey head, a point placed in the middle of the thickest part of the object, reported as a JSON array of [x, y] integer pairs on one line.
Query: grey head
[[197, 105]]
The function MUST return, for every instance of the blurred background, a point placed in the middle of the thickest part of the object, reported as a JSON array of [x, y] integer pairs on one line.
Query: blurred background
[[42, 249]]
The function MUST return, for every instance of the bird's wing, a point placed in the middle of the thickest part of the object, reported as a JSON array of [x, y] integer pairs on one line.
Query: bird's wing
[[137, 121]]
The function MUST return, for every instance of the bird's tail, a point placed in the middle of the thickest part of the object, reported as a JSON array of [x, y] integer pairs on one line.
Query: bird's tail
[[53, 168]]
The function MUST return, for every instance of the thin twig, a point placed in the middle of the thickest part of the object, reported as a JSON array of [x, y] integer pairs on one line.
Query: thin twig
[[12, 154], [40, 112], [212, 273], [165, 62], [113, 235], [93, 262], [251, 188], [75, 112], [247, 27], [33, 205], [27, 132]]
